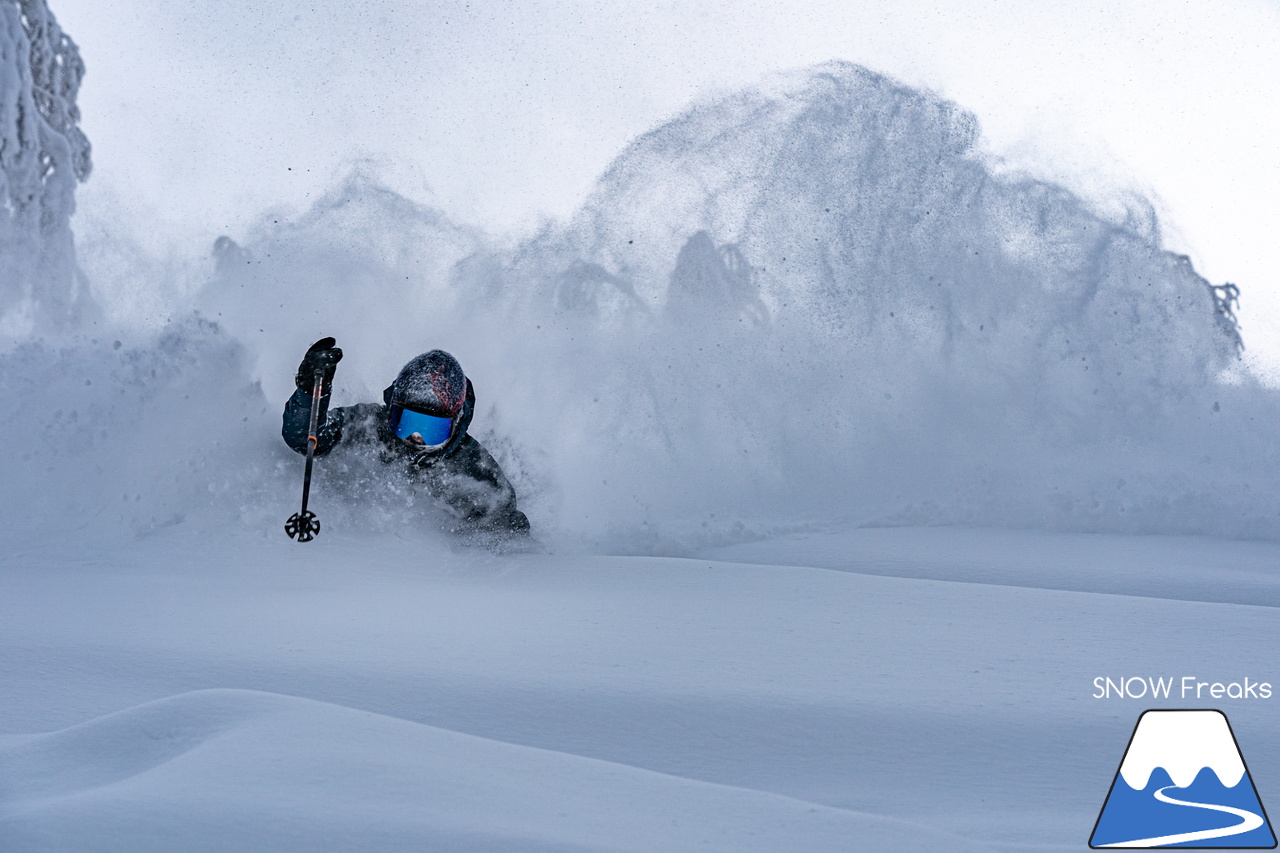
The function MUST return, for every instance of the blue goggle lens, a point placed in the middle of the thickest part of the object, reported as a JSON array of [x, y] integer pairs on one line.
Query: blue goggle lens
[[434, 430]]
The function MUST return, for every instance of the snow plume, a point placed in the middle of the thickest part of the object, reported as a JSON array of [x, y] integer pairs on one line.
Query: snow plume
[[109, 438], [365, 263], [43, 154], [812, 302], [817, 299]]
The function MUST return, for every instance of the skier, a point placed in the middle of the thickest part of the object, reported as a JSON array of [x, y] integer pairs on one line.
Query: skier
[[420, 429]]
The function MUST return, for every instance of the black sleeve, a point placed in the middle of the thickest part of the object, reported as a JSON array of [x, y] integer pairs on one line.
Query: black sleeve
[[297, 420]]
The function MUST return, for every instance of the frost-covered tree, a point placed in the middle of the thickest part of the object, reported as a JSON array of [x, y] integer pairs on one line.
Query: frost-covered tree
[[43, 154]]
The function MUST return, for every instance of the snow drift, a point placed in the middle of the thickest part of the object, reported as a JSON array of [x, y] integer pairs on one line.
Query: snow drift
[[810, 301], [143, 776]]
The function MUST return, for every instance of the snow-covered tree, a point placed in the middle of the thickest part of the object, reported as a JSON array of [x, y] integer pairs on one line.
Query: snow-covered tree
[[43, 154]]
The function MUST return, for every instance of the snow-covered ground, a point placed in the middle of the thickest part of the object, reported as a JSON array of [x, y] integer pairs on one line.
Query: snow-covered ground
[[866, 689], [856, 459]]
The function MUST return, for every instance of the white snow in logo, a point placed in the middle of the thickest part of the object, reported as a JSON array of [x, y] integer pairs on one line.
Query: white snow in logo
[[1183, 743]]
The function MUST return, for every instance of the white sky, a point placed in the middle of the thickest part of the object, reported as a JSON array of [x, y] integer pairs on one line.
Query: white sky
[[203, 114]]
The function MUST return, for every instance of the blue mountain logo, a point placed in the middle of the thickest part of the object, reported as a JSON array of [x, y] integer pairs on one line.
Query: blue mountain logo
[[1183, 783]]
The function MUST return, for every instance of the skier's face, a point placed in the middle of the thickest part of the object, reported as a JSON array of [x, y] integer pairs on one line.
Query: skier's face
[[416, 443], [421, 430], [420, 449]]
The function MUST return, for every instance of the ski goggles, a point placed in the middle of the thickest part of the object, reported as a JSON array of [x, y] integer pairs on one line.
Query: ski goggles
[[434, 430]]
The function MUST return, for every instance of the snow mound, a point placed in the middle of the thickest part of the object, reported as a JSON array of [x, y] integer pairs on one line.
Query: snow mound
[[259, 771], [1183, 568], [121, 746]]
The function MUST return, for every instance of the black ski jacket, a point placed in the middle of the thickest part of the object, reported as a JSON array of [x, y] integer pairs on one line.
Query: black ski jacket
[[464, 477]]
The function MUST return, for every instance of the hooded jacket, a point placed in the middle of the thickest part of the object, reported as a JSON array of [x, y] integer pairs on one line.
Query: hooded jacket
[[463, 477]]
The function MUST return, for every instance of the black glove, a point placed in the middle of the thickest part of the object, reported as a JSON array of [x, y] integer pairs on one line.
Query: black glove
[[323, 355]]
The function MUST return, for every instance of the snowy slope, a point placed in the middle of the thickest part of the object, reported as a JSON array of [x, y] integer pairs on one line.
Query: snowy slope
[[234, 769], [404, 692]]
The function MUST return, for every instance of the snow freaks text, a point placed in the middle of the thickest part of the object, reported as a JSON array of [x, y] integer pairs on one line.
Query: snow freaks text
[[1186, 687]]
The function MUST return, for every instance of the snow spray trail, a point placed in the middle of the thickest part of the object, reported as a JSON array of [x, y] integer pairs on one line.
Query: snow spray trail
[[108, 438], [810, 301], [805, 301]]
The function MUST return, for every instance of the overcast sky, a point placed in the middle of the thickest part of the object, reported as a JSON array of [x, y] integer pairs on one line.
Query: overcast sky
[[203, 114]]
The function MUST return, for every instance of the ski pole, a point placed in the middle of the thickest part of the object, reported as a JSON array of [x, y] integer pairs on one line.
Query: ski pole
[[303, 525]]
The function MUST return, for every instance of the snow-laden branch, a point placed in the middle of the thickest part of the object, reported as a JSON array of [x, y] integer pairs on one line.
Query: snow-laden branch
[[43, 154]]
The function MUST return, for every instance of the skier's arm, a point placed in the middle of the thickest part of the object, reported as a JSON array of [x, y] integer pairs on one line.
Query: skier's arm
[[321, 358], [297, 420]]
